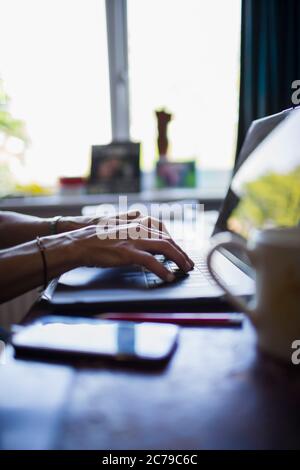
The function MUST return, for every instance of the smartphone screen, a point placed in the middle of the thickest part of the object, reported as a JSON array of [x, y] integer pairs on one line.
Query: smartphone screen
[[118, 340]]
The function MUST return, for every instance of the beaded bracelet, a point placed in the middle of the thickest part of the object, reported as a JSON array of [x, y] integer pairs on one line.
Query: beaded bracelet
[[42, 249]]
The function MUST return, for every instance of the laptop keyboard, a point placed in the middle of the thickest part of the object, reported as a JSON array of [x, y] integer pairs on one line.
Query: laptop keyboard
[[199, 276]]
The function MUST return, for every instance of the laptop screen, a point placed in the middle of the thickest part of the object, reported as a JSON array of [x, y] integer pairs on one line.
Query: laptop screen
[[265, 189]]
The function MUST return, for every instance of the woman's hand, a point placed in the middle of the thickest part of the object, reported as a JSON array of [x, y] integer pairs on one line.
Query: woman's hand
[[133, 240], [67, 224], [127, 244]]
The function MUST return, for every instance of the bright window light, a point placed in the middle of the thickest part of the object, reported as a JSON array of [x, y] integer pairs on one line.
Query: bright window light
[[53, 60], [184, 56]]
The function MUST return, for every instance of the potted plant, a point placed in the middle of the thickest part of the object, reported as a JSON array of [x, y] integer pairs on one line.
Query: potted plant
[[13, 143]]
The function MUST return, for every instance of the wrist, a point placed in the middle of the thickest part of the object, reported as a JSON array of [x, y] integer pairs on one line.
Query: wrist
[[54, 222], [52, 226], [61, 252]]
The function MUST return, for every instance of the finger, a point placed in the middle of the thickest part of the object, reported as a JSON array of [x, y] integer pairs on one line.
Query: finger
[[162, 236], [128, 231], [152, 233], [148, 261], [164, 247], [136, 231], [129, 215], [154, 224], [139, 231], [190, 261], [157, 225], [118, 231], [123, 218], [156, 234], [163, 227], [150, 222]]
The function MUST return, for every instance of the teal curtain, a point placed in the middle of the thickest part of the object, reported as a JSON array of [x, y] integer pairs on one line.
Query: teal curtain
[[270, 59]]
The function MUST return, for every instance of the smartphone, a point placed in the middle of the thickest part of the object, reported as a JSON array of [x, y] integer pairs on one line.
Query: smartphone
[[77, 337]]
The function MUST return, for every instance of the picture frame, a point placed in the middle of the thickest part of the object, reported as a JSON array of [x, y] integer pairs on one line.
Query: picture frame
[[115, 168]]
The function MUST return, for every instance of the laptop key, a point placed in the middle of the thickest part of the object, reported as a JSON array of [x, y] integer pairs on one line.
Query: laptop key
[[198, 276]]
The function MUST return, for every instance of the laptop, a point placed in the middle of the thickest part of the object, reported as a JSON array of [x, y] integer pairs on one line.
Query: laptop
[[134, 289]]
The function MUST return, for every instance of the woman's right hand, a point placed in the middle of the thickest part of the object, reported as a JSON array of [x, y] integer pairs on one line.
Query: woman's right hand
[[127, 244], [22, 267]]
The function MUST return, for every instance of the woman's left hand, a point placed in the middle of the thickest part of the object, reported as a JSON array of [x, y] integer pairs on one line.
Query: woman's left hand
[[67, 224], [151, 224]]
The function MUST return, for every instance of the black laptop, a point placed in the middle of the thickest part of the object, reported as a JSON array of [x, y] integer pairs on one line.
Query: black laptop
[[134, 289]]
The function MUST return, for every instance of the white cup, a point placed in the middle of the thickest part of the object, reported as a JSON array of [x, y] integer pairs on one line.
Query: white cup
[[275, 311]]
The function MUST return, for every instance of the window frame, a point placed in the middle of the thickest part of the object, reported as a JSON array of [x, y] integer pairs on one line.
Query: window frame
[[117, 42]]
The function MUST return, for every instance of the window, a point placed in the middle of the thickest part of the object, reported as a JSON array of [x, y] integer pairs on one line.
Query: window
[[55, 69], [184, 56]]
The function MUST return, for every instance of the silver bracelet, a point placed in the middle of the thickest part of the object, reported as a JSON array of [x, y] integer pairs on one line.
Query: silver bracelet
[[53, 224]]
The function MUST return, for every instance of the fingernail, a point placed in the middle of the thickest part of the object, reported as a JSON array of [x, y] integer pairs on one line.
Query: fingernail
[[170, 277]]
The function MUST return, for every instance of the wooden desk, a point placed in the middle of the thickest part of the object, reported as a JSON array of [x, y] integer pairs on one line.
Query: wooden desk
[[217, 392]]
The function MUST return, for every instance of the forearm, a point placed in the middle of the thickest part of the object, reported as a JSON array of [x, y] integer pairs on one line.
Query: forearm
[[19, 228], [21, 267]]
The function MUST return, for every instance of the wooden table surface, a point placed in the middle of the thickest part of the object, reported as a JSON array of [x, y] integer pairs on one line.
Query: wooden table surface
[[217, 392]]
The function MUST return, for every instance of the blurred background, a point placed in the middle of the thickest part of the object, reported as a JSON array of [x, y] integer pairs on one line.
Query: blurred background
[[182, 56]]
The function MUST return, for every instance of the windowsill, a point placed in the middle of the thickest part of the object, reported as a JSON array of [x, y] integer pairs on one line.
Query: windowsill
[[210, 192]]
